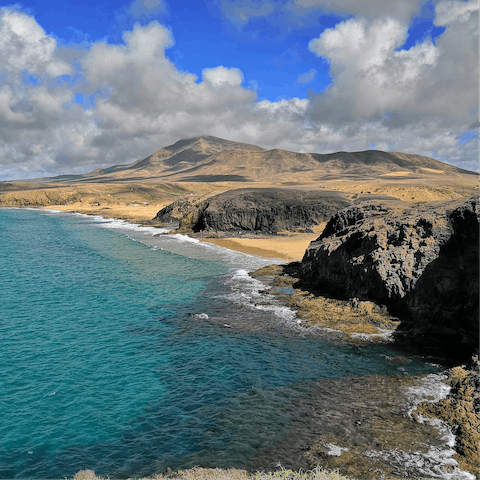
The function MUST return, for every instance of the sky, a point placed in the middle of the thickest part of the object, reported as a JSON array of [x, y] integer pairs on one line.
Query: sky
[[90, 84]]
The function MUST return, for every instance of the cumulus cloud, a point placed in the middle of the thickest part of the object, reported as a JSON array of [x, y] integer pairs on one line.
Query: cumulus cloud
[[422, 99], [147, 103], [370, 76], [25, 46], [221, 76], [419, 100]]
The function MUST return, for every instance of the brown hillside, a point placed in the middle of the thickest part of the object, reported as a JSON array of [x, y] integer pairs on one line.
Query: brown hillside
[[211, 159]]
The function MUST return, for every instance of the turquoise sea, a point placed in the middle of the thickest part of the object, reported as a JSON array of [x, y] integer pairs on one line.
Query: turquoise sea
[[128, 353]]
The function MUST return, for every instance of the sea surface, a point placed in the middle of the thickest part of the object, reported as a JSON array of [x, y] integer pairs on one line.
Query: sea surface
[[127, 352]]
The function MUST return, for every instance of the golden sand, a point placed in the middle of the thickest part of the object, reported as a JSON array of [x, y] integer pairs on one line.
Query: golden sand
[[291, 247], [135, 213]]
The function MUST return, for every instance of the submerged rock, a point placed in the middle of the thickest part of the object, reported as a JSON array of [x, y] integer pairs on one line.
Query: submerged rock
[[422, 261]]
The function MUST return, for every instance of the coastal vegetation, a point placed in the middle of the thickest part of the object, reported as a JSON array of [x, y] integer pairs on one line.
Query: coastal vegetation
[[199, 473]]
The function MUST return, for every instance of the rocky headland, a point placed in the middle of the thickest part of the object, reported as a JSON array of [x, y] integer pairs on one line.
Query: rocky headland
[[255, 210], [421, 260]]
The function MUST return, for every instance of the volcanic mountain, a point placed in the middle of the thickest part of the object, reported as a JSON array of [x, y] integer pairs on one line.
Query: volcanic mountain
[[212, 159]]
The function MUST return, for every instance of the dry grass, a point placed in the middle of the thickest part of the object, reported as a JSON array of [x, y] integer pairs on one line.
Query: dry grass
[[86, 475], [200, 473]]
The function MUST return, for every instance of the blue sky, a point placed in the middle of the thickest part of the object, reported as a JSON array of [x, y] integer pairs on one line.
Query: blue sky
[[91, 84]]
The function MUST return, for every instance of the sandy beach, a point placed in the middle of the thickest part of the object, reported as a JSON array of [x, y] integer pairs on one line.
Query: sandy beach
[[291, 247], [287, 246], [134, 213]]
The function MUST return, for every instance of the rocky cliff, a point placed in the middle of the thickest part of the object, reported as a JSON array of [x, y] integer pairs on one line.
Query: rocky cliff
[[421, 260], [263, 210]]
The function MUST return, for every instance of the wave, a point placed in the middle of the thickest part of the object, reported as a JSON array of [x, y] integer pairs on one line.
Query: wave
[[249, 292]]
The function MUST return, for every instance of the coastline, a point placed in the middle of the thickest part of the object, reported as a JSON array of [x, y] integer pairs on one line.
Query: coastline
[[290, 247], [233, 240]]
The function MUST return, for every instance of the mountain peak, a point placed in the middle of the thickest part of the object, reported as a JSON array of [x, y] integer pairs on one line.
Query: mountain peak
[[206, 158]]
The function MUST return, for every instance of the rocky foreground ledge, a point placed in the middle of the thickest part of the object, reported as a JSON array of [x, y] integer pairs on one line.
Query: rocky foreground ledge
[[420, 260]]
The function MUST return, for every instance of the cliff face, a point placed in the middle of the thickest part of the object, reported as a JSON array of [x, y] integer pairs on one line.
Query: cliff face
[[422, 261], [263, 210]]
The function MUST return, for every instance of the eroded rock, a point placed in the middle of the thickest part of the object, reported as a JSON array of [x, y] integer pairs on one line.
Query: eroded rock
[[262, 210], [421, 260]]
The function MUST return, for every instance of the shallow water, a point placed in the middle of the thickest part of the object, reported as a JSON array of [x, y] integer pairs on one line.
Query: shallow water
[[107, 362]]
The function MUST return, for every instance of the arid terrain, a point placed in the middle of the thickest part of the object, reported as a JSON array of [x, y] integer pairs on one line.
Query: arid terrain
[[202, 167]]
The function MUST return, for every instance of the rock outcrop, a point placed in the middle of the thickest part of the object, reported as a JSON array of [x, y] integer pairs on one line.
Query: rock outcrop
[[422, 261], [262, 210]]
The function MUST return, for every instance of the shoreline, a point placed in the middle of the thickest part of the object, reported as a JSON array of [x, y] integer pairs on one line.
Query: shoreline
[[227, 241], [290, 247]]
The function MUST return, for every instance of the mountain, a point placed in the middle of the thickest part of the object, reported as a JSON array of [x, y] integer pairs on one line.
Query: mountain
[[212, 159]]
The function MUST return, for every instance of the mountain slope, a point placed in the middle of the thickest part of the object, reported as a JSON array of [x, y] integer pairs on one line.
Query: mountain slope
[[210, 159]]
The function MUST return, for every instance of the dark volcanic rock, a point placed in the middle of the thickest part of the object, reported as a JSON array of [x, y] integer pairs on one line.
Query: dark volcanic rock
[[175, 211], [422, 261], [265, 210]]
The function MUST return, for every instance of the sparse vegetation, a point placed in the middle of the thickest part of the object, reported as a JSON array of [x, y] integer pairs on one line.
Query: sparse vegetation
[[86, 475], [200, 473]]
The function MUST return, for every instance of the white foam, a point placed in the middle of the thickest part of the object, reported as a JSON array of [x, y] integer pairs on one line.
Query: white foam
[[432, 388], [335, 450], [431, 463], [328, 329], [386, 335], [183, 238], [247, 291], [116, 224], [109, 223]]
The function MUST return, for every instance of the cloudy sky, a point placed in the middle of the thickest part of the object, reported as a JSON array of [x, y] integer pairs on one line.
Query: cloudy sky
[[94, 83]]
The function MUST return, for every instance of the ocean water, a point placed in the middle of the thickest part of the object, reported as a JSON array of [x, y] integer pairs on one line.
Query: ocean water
[[127, 353]]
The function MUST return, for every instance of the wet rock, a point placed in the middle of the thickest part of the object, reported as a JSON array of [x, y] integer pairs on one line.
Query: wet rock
[[460, 410], [422, 261]]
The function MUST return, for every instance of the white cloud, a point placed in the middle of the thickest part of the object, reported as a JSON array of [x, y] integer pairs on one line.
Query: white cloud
[[370, 77], [448, 11], [220, 76], [25, 46], [429, 91]]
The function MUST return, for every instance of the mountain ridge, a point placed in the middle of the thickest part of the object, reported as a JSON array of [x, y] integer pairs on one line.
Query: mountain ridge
[[210, 159]]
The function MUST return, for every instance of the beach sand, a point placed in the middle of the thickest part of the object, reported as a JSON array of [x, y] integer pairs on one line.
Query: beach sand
[[134, 213], [291, 247]]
